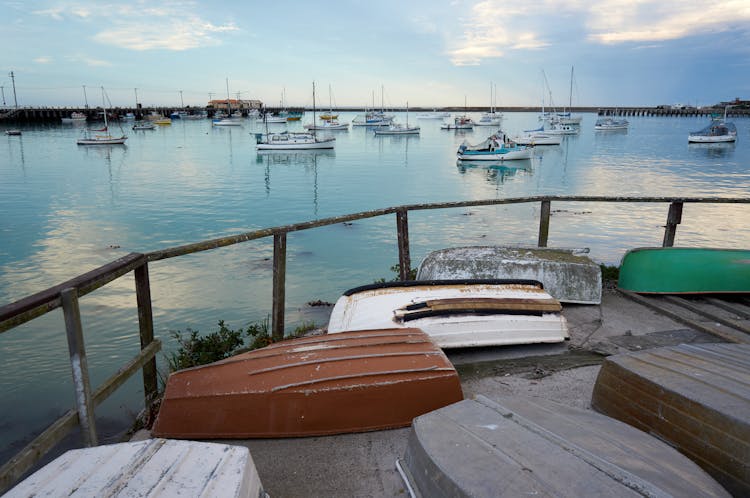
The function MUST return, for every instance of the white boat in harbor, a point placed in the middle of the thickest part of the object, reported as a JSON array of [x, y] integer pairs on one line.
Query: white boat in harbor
[[537, 137], [398, 128], [561, 129], [143, 125], [717, 132], [606, 124], [226, 122], [328, 124], [433, 115], [565, 117], [492, 117], [76, 117], [455, 313], [293, 140], [101, 136], [372, 118], [459, 123], [496, 147]]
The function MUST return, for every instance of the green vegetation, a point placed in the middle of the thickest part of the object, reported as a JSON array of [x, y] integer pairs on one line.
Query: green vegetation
[[397, 270], [610, 273], [195, 349]]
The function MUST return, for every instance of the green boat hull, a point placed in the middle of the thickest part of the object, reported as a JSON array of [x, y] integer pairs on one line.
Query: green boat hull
[[685, 270]]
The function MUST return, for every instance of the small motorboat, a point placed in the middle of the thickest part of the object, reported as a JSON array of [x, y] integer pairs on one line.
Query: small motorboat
[[328, 124], [226, 122], [607, 124], [456, 313], [318, 385], [497, 147], [143, 125], [720, 130], [13, 132], [695, 397], [521, 446], [459, 123], [150, 468]]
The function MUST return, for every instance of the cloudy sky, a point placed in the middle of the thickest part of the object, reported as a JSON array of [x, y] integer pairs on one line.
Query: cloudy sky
[[429, 53]]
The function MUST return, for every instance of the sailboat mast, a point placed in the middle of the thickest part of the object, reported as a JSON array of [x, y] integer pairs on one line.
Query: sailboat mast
[[104, 106], [229, 104], [570, 98], [313, 128]]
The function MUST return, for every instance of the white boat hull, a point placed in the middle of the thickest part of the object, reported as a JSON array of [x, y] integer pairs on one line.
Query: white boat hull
[[102, 141], [383, 307], [406, 131], [538, 140], [509, 155], [702, 139], [459, 127], [226, 122], [318, 144]]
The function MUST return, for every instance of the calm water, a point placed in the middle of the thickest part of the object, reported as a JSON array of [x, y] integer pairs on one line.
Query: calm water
[[67, 209]]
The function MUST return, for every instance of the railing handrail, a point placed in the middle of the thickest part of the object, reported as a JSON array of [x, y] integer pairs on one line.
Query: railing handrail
[[66, 295]]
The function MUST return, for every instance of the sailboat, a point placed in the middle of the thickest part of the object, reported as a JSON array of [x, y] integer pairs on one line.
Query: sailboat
[[565, 118], [459, 122], [491, 118], [398, 128], [101, 136], [330, 122], [293, 140], [227, 121]]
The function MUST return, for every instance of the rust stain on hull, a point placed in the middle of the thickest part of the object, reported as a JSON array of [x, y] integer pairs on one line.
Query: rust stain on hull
[[348, 382]]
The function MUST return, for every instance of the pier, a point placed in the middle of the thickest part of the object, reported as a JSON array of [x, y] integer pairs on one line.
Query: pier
[[30, 115]]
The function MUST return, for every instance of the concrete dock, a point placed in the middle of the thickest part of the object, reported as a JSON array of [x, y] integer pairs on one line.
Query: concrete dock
[[364, 465]]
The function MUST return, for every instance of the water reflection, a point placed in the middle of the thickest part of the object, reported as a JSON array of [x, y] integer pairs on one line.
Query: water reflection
[[712, 151], [15, 142], [308, 159], [496, 172]]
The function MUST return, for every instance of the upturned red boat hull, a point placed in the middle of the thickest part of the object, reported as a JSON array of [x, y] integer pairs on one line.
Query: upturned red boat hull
[[347, 382]]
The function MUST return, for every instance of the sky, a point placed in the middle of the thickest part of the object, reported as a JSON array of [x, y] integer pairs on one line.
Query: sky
[[427, 53]]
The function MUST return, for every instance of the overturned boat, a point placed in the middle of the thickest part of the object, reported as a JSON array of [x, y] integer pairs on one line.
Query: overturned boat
[[696, 397], [319, 385], [456, 313], [568, 275], [517, 446]]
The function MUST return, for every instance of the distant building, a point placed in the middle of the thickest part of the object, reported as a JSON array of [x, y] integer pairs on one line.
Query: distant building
[[737, 103], [242, 105]]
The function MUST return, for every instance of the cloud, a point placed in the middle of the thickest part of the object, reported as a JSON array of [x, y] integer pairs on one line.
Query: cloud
[[621, 21], [493, 28], [83, 59], [175, 34], [44, 59], [171, 25]]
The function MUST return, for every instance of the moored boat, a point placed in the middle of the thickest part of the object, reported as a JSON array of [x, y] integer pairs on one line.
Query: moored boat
[[101, 136], [398, 128], [716, 132], [521, 446], [328, 124], [163, 121], [685, 270], [292, 141], [693, 396], [459, 123], [143, 125], [13, 132], [75, 117], [456, 313], [497, 147], [537, 137], [318, 385], [605, 124], [226, 122]]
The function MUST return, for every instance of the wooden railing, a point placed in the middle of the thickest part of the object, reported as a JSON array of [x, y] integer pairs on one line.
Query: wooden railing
[[66, 295]]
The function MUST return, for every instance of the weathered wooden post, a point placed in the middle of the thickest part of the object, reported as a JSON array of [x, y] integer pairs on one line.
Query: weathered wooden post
[[674, 218], [544, 223], [146, 327], [79, 365], [402, 227], [279, 286]]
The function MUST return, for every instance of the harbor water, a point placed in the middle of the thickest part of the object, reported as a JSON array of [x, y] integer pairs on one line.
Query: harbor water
[[67, 209]]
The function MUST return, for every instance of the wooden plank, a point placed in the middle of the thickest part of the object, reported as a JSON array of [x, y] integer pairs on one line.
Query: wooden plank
[[404, 260], [146, 330], [279, 286], [486, 303], [674, 218], [79, 366], [544, 223], [653, 303], [738, 309], [28, 308], [735, 324]]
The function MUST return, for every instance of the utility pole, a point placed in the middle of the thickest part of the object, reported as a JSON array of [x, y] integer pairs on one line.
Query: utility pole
[[85, 99], [2, 89], [182, 104], [13, 79], [136, 97]]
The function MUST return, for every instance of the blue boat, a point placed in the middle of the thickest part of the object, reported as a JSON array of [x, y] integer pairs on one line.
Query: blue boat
[[497, 147]]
